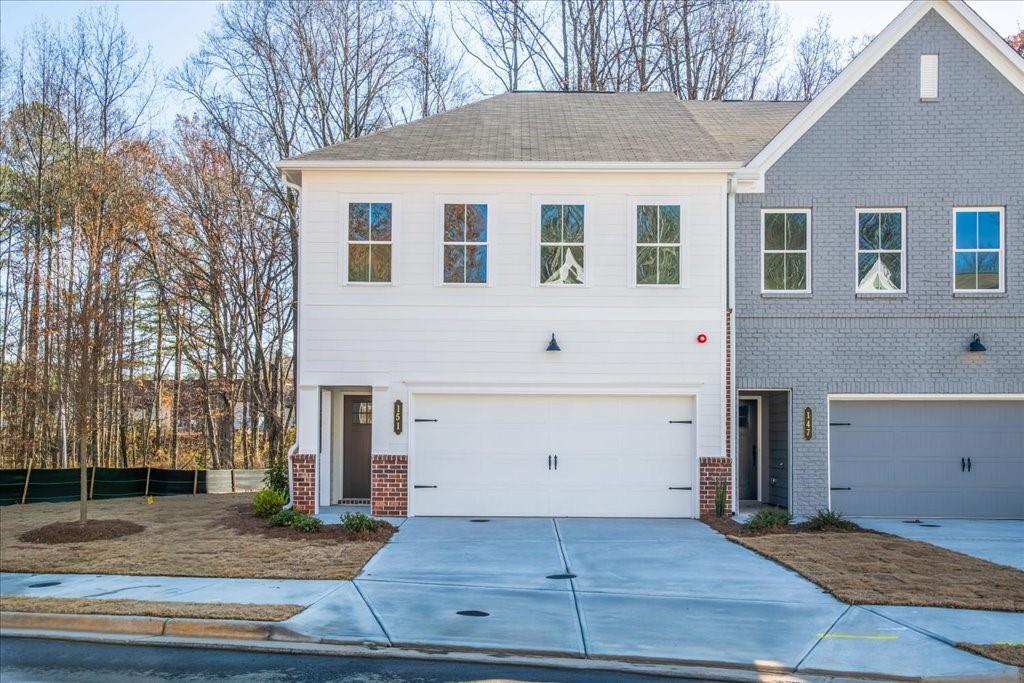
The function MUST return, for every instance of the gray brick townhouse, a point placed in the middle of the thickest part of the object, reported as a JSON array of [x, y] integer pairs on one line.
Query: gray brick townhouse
[[879, 284]]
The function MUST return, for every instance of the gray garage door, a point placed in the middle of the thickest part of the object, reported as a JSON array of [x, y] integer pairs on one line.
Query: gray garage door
[[927, 458]]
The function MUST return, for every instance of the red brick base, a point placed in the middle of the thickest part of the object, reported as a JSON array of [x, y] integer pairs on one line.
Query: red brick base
[[304, 482], [389, 485], [713, 470]]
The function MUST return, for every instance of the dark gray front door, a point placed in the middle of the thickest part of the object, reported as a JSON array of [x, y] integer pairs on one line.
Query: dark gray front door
[[778, 448], [747, 466], [928, 458], [358, 428]]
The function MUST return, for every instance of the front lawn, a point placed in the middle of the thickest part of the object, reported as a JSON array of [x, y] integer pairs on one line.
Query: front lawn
[[871, 568], [149, 608], [204, 535]]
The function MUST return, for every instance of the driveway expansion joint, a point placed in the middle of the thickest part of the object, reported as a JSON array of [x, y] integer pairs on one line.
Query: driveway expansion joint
[[572, 586]]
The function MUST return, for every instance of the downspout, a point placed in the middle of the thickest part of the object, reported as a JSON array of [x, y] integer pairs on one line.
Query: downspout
[[295, 359], [730, 298]]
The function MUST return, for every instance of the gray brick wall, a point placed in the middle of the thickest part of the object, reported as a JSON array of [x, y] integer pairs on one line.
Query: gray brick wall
[[881, 146]]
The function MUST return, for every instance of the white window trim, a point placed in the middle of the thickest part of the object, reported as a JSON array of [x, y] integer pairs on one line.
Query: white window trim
[[806, 251], [1002, 248], [439, 242], [902, 251], [684, 252], [540, 200], [344, 241]]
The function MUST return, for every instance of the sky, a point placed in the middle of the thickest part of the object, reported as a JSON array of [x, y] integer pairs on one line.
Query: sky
[[174, 28]]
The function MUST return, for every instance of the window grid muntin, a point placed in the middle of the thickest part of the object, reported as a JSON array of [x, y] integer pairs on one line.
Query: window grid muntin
[[901, 251], [465, 243], [369, 242], [976, 251], [806, 251], [563, 243], [657, 246]]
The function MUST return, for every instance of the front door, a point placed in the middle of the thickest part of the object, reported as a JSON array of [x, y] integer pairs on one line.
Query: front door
[[356, 466], [747, 466]]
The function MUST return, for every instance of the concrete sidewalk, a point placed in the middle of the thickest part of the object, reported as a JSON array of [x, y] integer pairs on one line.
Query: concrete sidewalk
[[669, 591]]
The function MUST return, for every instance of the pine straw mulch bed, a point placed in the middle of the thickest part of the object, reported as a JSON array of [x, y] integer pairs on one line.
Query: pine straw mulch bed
[[75, 532], [863, 567], [204, 535], [149, 608], [1007, 653]]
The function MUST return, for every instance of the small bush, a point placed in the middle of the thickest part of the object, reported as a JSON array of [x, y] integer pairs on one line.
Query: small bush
[[721, 489], [829, 520], [267, 503], [296, 520], [357, 522], [769, 518], [276, 477]]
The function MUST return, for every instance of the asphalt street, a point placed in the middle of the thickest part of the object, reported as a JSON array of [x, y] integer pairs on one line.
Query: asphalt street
[[23, 660]]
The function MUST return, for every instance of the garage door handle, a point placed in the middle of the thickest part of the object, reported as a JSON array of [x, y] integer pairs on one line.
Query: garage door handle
[[549, 462], [556, 462], [424, 486], [840, 488], [680, 422], [963, 464], [680, 488], [968, 464]]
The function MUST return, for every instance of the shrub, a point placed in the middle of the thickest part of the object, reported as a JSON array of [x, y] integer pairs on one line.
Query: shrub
[[276, 477], [358, 522], [296, 520], [769, 518], [267, 502], [829, 520], [721, 489]]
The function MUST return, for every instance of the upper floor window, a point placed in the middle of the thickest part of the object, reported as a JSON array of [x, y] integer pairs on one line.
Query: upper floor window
[[658, 240], [785, 247], [561, 244], [369, 242], [881, 250], [465, 244], [978, 250]]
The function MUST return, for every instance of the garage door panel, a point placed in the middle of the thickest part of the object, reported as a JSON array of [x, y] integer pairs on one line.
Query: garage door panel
[[487, 455], [903, 458]]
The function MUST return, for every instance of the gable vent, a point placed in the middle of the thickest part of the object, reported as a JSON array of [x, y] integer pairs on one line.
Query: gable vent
[[929, 77]]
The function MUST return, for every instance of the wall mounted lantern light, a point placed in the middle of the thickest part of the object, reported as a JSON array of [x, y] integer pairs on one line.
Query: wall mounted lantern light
[[976, 345], [553, 344]]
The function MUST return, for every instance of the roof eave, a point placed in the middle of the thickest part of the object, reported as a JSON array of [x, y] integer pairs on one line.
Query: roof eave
[[287, 165]]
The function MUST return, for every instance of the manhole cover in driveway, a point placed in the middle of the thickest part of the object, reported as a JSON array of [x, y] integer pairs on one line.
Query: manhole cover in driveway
[[472, 613], [44, 584], [933, 526], [479, 520], [561, 576], [911, 521]]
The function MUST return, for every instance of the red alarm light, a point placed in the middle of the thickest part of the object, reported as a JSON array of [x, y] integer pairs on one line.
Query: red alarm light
[[702, 338]]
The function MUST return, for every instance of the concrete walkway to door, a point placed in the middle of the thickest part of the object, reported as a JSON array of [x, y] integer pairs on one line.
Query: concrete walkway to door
[[671, 590]]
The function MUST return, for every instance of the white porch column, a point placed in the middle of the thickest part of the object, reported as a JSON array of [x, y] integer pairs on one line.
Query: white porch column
[[323, 478], [307, 419]]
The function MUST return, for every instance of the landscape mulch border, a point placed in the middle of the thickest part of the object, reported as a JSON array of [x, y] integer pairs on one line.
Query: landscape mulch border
[[240, 518], [1007, 653], [75, 532]]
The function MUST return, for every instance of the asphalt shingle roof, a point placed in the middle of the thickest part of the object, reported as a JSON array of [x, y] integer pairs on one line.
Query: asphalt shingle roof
[[576, 127]]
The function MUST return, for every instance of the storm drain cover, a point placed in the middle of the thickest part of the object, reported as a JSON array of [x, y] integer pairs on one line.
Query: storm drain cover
[[911, 521], [44, 584], [934, 526], [473, 613], [479, 520], [561, 576]]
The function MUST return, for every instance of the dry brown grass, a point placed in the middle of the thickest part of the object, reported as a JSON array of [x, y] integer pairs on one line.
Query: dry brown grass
[[184, 536], [149, 608], [1008, 653], [879, 569]]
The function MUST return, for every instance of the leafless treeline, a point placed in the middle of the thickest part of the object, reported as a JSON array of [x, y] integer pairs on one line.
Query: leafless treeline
[[141, 259]]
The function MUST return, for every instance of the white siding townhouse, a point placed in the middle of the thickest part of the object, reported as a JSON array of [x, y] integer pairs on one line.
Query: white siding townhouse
[[523, 307]]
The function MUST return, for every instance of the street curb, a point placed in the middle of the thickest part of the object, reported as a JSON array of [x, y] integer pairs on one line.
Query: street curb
[[275, 637]]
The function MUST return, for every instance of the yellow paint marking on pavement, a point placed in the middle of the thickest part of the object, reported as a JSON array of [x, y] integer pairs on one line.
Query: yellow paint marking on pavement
[[855, 636]]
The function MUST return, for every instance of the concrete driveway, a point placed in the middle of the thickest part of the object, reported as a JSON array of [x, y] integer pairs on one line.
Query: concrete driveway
[[653, 589], [996, 540]]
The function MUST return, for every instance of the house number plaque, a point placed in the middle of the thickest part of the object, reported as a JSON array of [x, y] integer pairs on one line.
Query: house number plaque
[[808, 424], [398, 417]]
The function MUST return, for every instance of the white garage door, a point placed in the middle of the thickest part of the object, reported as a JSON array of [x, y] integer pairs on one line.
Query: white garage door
[[573, 456]]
